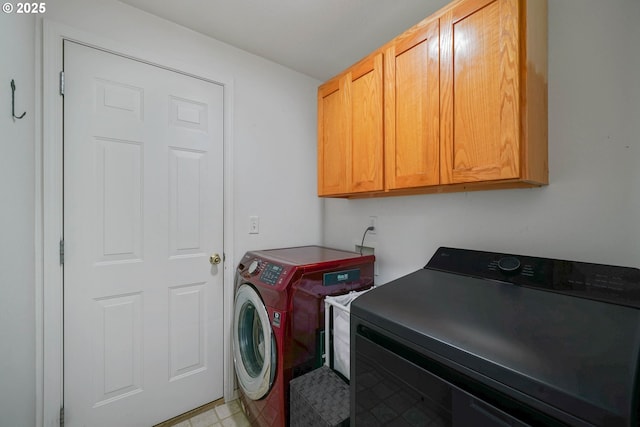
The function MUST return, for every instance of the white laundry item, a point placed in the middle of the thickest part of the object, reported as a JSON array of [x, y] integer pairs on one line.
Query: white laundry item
[[338, 308]]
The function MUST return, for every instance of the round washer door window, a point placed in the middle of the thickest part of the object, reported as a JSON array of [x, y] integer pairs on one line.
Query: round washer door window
[[254, 347]]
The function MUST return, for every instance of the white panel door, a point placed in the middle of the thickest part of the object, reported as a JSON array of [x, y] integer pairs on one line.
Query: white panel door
[[143, 171]]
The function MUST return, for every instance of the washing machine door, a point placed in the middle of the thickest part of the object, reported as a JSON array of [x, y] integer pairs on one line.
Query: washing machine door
[[254, 346]]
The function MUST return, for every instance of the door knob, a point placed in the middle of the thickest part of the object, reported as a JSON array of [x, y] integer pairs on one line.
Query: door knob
[[215, 259]]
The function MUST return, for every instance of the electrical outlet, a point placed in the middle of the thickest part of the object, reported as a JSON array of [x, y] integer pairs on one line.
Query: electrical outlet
[[254, 225], [373, 222], [365, 250]]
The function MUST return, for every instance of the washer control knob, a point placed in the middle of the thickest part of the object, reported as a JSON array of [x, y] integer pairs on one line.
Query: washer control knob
[[253, 267], [509, 264]]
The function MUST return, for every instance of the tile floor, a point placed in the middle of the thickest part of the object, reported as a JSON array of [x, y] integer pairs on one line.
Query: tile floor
[[225, 415]]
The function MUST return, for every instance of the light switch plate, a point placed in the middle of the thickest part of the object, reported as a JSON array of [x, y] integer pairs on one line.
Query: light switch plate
[[254, 225]]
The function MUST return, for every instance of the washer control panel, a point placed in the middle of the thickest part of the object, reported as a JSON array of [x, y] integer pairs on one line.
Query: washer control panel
[[608, 283], [271, 273], [253, 267], [267, 272]]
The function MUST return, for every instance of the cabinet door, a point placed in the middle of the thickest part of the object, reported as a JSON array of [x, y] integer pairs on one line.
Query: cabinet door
[[412, 108], [365, 86], [480, 123], [333, 141], [350, 130]]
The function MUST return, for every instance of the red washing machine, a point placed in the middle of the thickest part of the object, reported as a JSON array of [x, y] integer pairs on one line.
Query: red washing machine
[[278, 321]]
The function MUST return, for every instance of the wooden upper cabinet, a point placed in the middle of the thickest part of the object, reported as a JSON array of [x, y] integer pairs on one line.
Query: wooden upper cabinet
[[457, 102], [350, 130], [492, 71], [412, 108], [332, 138]]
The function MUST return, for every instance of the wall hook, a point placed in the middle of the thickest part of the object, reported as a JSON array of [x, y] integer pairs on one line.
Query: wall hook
[[13, 101]]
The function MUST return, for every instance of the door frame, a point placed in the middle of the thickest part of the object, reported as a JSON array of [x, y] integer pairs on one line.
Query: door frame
[[49, 208]]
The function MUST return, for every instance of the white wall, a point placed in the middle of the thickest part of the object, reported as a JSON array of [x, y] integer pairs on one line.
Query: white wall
[[17, 217], [591, 209], [273, 128], [274, 118]]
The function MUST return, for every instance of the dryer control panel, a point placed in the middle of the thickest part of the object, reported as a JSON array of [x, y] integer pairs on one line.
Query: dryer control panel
[[608, 283]]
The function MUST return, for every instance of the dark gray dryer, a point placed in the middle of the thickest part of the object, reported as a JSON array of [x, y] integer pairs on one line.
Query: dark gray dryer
[[487, 339]]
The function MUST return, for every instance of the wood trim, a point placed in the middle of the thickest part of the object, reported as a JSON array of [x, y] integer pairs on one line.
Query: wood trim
[[451, 188], [389, 117], [534, 69], [423, 30], [510, 89], [365, 66], [320, 148], [347, 128], [446, 98], [329, 87], [468, 7]]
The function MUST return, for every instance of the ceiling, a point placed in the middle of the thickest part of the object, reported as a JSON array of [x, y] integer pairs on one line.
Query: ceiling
[[318, 38]]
